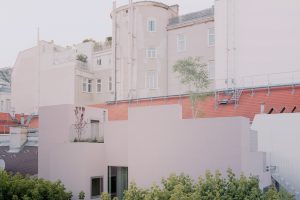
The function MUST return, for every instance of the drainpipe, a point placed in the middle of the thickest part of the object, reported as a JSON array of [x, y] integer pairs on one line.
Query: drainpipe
[[115, 45]]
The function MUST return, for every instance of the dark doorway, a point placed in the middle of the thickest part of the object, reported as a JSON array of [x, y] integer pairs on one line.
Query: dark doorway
[[117, 181]]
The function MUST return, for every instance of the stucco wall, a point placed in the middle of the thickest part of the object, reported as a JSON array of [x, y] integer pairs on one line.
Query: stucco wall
[[256, 37], [173, 145], [278, 135], [196, 35], [131, 78], [59, 158]]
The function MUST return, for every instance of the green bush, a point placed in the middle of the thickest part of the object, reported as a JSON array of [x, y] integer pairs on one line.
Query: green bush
[[81, 195], [25, 188], [212, 187]]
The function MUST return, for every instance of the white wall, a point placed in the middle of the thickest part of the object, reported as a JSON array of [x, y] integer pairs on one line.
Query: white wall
[[171, 145], [59, 158], [278, 135], [256, 37], [25, 82], [153, 143], [57, 84]]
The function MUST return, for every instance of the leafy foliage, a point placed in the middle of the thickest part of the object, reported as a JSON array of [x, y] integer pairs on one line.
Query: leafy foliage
[[192, 72], [18, 187], [212, 187], [81, 57], [81, 195], [5, 75]]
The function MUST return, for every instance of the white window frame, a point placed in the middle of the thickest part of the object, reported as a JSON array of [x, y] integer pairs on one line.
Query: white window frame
[[181, 43], [110, 84], [151, 52], [99, 85], [151, 84], [150, 20], [210, 34]]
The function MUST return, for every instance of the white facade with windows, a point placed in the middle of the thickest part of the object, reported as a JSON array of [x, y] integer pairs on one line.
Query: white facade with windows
[[138, 65]]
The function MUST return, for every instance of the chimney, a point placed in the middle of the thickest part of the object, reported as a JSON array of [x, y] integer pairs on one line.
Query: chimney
[[175, 8], [22, 119], [262, 107]]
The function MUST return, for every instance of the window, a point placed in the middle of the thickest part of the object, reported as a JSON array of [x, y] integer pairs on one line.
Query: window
[[110, 83], [211, 37], [84, 80], [181, 43], [90, 88], [211, 69], [96, 186], [99, 85], [151, 25], [99, 61], [8, 105], [151, 80], [151, 53]]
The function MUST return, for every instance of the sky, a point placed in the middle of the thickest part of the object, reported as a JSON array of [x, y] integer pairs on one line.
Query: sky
[[66, 22]]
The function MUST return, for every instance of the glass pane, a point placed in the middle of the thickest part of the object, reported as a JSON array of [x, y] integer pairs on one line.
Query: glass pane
[[95, 187]]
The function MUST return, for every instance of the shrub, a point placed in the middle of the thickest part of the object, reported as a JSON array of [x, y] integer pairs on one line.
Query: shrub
[[212, 187], [26, 188]]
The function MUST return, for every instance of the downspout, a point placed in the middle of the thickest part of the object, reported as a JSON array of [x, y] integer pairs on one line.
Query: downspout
[[115, 47], [227, 46], [167, 51]]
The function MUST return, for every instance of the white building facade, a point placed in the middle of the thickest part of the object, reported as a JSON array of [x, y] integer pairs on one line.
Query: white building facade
[[257, 43], [148, 38], [125, 151]]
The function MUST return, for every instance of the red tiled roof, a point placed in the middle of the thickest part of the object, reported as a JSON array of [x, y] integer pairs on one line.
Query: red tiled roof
[[249, 104], [6, 121]]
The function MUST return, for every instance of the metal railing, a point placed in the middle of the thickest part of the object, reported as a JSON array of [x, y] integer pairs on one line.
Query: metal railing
[[89, 132], [261, 80]]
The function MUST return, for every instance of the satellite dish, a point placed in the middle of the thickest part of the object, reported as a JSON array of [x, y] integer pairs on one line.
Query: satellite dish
[[2, 164]]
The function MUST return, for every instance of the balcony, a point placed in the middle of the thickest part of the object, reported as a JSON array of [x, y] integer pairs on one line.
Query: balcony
[[89, 132]]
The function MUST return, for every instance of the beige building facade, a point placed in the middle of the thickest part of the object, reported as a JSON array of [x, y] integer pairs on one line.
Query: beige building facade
[[137, 62]]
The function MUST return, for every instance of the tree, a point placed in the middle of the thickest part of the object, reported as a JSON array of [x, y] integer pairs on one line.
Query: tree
[[193, 73], [5, 75], [80, 123]]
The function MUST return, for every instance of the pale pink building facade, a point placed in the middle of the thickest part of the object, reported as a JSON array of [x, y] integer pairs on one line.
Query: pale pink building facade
[[153, 143]]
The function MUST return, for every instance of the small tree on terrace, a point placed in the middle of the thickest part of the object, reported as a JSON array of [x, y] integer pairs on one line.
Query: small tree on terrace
[[193, 73], [80, 123]]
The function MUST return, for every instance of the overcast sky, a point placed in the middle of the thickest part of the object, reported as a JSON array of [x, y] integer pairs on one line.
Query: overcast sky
[[66, 22]]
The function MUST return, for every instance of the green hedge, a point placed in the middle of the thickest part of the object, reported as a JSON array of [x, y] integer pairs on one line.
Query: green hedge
[[18, 187], [212, 187]]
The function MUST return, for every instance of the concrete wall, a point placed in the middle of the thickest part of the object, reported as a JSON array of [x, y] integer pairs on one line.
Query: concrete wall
[[278, 135], [153, 143], [24, 82], [59, 158], [256, 37], [173, 145], [57, 84]]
